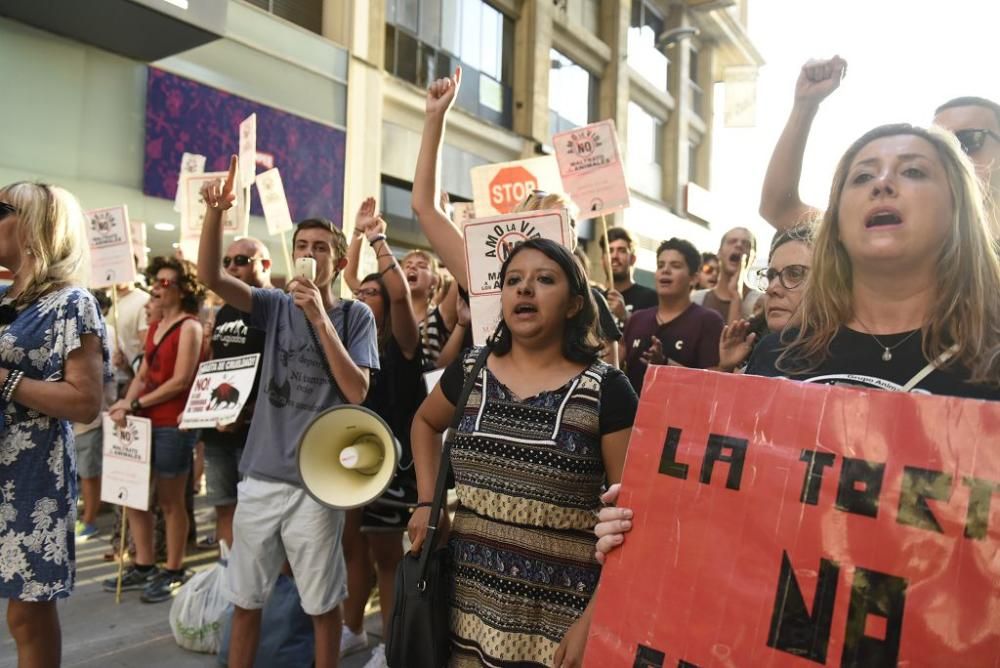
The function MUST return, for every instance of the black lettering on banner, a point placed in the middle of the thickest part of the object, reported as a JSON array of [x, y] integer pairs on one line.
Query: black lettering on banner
[[713, 453], [883, 595], [817, 461], [793, 629], [668, 459], [980, 495], [918, 486], [854, 472], [647, 657]]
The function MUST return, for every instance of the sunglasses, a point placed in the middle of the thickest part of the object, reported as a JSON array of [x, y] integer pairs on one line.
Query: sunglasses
[[708, 268], [165, 282], [972, 139], [790, 277], [6, 210], [238, 260]]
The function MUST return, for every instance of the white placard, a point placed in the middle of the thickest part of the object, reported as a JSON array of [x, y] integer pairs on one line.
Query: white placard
[[488, 242], [137, 232], [497, 189], [191, 163], [239, 222], [220, 391], [111, 259], [193, 213], [272, 199], [590, 164], [248, 149], [126, 464], [462, 213]]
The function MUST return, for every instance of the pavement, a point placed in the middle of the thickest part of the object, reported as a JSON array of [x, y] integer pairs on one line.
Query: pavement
[[97, 633]]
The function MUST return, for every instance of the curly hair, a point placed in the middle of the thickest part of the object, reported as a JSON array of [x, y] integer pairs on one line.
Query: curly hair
[[192, 291]]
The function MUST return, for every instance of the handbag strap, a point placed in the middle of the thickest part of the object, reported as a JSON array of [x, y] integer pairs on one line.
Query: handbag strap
[[442, 479], [170, 330]]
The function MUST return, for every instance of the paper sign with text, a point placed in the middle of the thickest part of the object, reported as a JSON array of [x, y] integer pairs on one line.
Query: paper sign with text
[[111, 259], [193, 213], [137, 232], [591, 167], [779, 523], [497, 189], [248, 149], [239, 223], [220, 391], [191, 163], [125, 468], [488, 242], [272, 199]]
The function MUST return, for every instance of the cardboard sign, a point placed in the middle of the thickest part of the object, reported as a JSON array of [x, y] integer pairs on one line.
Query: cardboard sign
[[137, 231], [497, 189], [220, 391], [126, 464], [272, 199], [591, 167], [796, 524], [111, 259], [191, 163], [488, 242], [239, 223], [193, 213], [248, 149]]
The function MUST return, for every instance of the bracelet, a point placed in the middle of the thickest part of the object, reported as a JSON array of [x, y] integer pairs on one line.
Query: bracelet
[[387, 269], [424, 504], [10, 384], [377, 238]]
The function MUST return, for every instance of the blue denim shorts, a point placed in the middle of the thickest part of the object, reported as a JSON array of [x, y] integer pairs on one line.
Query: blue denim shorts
[[172, 450]]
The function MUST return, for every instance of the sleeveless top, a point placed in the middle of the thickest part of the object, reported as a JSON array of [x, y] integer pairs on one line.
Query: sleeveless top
[[161, 369]]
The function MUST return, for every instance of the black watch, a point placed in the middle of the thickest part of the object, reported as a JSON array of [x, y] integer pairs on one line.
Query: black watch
[[135, 406]]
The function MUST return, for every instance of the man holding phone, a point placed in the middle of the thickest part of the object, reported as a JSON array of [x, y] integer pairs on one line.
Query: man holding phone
[[317, 354]]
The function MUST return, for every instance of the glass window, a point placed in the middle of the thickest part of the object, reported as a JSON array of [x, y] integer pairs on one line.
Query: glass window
[[644, 152], [643, 56], [492, 22], [471, 33], [571, 94], [693, 160], [305, 13], [430, 23], [407, 12], [451, 26]]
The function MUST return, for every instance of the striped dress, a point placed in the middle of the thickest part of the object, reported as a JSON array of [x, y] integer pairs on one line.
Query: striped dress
[[528, 477]]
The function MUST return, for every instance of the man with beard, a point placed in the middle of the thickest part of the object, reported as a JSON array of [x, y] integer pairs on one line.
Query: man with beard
[[731, 297], [627, 296]]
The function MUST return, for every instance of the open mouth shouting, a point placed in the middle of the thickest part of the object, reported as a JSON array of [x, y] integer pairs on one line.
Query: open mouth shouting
[[883, 217]]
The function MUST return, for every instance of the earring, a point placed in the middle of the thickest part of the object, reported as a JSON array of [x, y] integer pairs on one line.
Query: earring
[[28, 252]]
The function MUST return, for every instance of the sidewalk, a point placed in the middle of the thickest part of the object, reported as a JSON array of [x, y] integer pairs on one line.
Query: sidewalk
[[99, 634]]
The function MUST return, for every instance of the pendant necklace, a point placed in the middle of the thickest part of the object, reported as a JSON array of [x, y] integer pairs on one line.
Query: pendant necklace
[[887, 350]]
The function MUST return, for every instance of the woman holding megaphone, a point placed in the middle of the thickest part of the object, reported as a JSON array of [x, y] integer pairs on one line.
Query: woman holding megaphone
[[373, 534], [545, 425]]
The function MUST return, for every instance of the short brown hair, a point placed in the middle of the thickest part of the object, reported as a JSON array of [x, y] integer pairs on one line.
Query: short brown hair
[[619, 234], [339, 243]]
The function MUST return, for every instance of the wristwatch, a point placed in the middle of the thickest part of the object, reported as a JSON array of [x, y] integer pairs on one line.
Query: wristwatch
[[135, 406]]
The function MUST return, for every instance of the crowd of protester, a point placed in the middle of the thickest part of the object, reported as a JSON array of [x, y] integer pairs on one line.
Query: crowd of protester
[[893, 287]]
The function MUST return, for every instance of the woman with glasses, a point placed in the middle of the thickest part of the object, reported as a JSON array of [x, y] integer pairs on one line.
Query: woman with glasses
[[53, 364], [373, 535], [902, 293], [159, 392], [783, 283]]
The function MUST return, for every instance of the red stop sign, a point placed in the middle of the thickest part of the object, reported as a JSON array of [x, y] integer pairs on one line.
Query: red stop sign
[[509, 188]]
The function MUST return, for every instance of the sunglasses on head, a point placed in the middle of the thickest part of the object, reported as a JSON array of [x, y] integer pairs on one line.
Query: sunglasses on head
[[238, 260], [972, 139], [6, 210]]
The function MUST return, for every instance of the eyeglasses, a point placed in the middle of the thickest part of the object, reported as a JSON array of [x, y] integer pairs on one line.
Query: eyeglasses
[[165, 282], [790, 277], [6, 210], [365, 293], [972, 139], [238, 260]]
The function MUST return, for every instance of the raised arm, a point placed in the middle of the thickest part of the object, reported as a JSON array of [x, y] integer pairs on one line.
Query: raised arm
[[780, 203], [351, 271], [218, 198], [444, 235]]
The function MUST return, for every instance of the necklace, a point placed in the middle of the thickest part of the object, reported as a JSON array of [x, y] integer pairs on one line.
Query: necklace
[[887, 350]]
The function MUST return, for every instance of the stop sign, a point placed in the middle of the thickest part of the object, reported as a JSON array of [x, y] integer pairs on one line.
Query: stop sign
[[509, 188]]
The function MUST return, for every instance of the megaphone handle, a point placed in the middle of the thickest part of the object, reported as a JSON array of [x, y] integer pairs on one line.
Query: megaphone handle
[[440, 487]]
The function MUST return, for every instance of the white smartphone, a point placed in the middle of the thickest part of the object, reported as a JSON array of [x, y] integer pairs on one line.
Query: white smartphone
[[305, 267]]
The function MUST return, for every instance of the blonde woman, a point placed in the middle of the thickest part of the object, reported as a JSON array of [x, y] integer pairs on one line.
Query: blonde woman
[[52, 367]]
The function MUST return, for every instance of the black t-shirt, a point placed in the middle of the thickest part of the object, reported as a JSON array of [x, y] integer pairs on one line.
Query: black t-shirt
[[639, 297], [233, 337], [855, 360], [607, 328], [618, 400], [691, 339], [395, 393]]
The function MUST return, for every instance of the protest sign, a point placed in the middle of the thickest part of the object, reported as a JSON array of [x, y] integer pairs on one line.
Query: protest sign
[[126, 463], [497, 189], [137, 232], [488, 242], [248, 150], [111, 259], [220, 391], [462, 212], [193, 212], [239, 223], [591, 167], [794, 524], [272, 199], [191, 163]]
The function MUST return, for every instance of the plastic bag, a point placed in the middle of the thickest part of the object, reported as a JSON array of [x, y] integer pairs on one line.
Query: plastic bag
[[197, 610]]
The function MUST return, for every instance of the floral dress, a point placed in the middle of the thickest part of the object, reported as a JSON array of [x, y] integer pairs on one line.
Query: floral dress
[[38, 486]]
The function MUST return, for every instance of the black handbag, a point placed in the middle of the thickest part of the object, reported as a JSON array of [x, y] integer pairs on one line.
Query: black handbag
[[419, 629]]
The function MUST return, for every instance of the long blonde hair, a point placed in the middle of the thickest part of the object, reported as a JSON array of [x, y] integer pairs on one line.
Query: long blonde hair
[[52, 230], [966, 309]]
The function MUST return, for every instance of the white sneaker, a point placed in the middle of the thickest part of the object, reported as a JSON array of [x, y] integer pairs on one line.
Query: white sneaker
[[351, 642], [378, 658]]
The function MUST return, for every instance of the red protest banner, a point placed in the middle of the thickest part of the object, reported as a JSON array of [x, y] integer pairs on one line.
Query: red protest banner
[[791, 524]]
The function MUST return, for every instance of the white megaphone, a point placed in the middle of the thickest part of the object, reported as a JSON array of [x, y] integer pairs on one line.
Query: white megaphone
[[347, 457]]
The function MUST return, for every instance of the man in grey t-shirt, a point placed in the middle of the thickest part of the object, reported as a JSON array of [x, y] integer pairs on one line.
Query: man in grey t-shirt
[[310, 336]]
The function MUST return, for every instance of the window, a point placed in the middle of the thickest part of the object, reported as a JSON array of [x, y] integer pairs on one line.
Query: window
[[572, 94], [305, 13], [643, 55], [427, 39], [697, 94], [693, 144], [645, 151]]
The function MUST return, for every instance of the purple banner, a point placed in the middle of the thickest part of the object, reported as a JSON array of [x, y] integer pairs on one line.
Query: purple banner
[[185, 116]]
